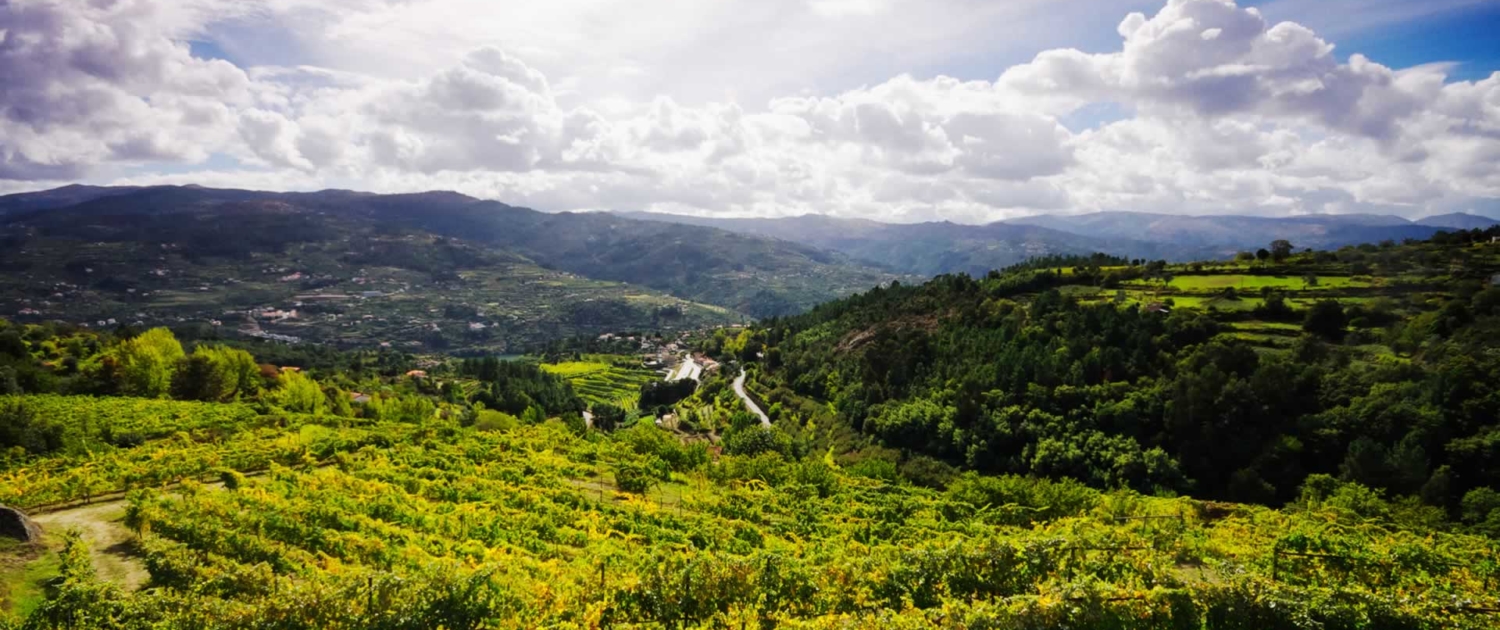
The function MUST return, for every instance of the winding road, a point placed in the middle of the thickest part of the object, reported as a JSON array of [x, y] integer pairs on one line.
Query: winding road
[[739, 390]]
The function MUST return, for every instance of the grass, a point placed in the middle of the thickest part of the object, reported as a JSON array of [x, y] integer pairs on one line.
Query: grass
[[1192, 283], [1261, 339], [575, 369], [24, 574], [1265, 326]]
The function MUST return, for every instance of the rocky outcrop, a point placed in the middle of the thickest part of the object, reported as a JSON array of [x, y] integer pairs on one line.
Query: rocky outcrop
[[16, 525]]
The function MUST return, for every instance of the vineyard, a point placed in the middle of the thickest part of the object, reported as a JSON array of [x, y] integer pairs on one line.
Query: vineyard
[[605, 379], [112, 445], [441, 526]]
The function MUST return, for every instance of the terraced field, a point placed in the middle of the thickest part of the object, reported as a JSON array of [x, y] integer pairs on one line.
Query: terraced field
[[608, 379]]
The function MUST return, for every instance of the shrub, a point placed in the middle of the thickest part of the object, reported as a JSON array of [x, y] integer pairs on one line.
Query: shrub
[[1043, 499], [491, 420]]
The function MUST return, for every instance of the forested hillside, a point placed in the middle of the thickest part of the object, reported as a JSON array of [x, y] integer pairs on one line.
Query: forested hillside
[[1240, 381], [1218, 236], [259, 485], [433, 271], [933, 248], [928, 249]]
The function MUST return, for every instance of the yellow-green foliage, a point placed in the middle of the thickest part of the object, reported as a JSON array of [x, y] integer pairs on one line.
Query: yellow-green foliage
[[148, 362], [605, 379], [298, 392], [218, 374], [524, 528], [491, 420]]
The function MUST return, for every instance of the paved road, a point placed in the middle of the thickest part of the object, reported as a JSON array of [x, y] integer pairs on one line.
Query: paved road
[[739, 389], [688, 368]]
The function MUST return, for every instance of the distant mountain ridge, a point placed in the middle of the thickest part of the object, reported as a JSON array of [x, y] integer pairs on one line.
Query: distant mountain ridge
[[1230, 233], [753, 275], [442, 266], [925, 249], [942, 247], [1459, 221]]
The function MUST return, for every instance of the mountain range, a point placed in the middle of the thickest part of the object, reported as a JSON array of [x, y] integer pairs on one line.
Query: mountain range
[[433, 269], [943, 247], [440, 269]]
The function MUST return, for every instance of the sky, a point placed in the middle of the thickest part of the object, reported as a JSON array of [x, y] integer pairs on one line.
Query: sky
[[894, 110]]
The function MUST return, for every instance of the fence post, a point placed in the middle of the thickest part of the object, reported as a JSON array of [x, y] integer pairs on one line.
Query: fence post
[[1275, 559]]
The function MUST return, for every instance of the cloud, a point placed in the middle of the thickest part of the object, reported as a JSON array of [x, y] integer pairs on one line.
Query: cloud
[[1212, 58], [1225, 111], [86, 83]]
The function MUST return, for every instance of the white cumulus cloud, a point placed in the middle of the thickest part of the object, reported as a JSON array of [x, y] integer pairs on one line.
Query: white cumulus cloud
[[1218, 109]]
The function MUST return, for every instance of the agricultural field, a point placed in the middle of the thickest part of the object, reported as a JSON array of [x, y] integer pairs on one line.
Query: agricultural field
[[607, 379], [540, 526], [408, 291], [1218, 282]]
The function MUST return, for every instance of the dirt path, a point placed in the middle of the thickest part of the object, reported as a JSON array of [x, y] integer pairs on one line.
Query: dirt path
[[111, 544]]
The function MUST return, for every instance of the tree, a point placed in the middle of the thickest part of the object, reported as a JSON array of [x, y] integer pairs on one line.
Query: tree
[[534, 415], [148, 362], [756, 440], [299, 393], [1326, 319], [491, 420], [607, 417], [8, 382], [1262, 254], [1281, 249], [1478, 504], [339, 403], [11, 344], [217, 374], [1366, 463], [1408, 466], [1439, 485]]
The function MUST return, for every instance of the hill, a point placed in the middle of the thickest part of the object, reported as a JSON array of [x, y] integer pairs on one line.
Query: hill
[[934, 248], [1195, 237], [58, 197], [926, 249], [1236, 381], [1459, 221], [267, 499], [439, 269]]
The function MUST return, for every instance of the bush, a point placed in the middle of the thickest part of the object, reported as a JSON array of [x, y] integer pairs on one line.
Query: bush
[[927, 472], [817, 475], [770, 468], [607, 417], [636, 478], [491, 420], [1042, 499], [1326, 319], [874, 468], [575, 423], [754, 440], [231, 479], [649, 440], [21, 427]]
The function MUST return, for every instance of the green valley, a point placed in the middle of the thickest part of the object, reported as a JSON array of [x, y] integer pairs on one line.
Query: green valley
[[432, 272], [1074, 442]]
